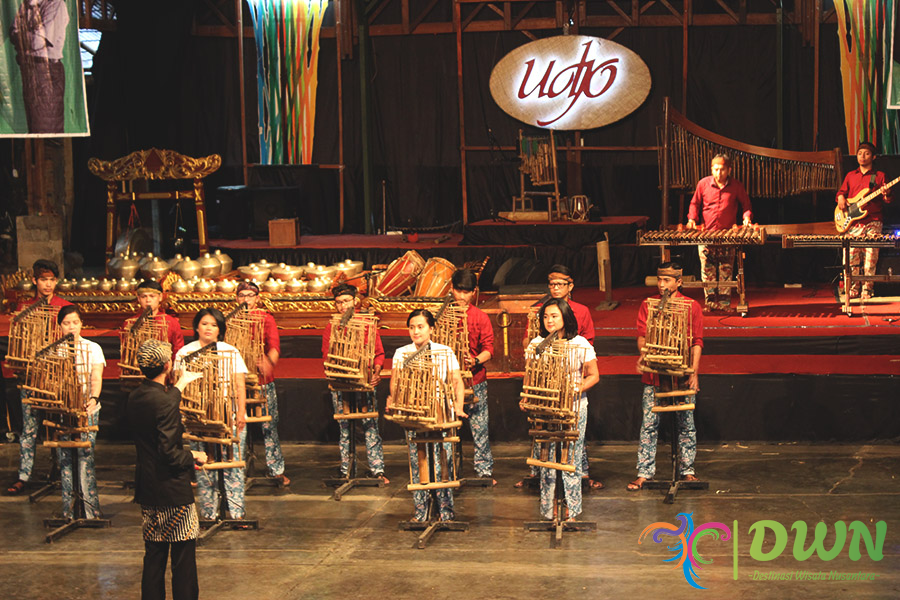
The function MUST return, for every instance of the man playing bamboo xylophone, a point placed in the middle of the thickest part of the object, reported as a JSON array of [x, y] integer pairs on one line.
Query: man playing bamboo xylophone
[[150, 295], [668, 277], [45, 276], [717, 200], [865, 177]]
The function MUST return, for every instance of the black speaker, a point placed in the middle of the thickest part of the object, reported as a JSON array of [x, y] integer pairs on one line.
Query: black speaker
[[230, 213], [271, 203]]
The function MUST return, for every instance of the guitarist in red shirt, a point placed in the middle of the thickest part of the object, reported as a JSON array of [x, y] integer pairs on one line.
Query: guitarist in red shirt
[[858, 184]]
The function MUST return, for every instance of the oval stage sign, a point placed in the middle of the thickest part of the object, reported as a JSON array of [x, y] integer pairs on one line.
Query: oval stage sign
[[570, 82]]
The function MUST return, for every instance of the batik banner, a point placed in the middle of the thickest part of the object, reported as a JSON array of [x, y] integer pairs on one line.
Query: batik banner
[[41, 81]]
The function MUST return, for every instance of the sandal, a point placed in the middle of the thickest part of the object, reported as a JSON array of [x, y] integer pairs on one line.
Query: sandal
[[636, 485], [592, 483], [15, 489], [382, 477], [283, 480], [689, 477]]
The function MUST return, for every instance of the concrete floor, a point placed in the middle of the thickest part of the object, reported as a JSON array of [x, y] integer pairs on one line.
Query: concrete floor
[[310, 546]]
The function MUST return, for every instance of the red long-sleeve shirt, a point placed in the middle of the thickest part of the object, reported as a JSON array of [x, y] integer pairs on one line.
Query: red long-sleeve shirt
[[585, 322], [481, 338], [696, 330], [271, 341], [854, 182], [719, 206], [54, 301]]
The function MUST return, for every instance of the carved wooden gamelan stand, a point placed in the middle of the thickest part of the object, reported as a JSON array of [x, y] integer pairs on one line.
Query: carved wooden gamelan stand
[[550, 399], [348, 367], [53, 386], [245, 331], [207, 410], [31, 330], [667, 353], [423, 407]]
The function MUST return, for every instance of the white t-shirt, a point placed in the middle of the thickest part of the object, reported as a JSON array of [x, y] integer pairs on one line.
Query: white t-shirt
[[87, 355], [580, 352], [237, 363], [443, 355]]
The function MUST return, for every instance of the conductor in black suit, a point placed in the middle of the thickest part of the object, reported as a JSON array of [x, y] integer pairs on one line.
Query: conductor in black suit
[[163, 476]]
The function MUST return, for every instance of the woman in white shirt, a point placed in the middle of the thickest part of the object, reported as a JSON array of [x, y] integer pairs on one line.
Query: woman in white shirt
[[209, 327], [421, 325], [89, 363], [556, 318]]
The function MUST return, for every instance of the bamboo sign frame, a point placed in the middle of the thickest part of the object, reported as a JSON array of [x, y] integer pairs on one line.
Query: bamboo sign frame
[[136, 331], [245, 331], [53, 385], [207, 404], [30, 330], [550, 396]]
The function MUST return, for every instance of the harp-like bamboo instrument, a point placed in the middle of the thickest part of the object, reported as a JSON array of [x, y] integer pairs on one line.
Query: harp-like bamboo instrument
[[451, 328], [30, 330], [208, 404], [245, 331], [550, 396], [423, 405], [686, 151], [54, 385], [350, 362], [136, 331]]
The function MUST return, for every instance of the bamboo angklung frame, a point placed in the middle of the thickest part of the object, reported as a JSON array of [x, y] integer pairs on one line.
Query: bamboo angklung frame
[[208, 404], [52, 385], [245, 331], [550, 397], [30, 330], [351, 352], [667, 347], [451, 329], [136, 331], [423, 406]]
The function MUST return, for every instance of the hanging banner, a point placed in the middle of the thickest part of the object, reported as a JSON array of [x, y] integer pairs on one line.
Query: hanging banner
[[892, 59], [41, 81], [570, 82]]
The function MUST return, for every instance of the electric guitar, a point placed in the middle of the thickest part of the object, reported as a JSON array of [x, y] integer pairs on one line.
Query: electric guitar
[[843, 219]]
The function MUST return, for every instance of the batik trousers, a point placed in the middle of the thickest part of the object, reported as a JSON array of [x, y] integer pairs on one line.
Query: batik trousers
[[483, 460], [571, 481], [716, 264], [687, 437], [422, 498], [274, 457], [871, 254], [87, 478], [208, 485], [374, 450], [28, 439]]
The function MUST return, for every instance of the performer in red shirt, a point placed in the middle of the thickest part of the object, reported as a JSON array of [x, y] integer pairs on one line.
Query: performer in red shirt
[[344, 299], [717, 200], [481, 349], [668, 281], [248, 295], [150, 295], [45, 276], [865, 177]]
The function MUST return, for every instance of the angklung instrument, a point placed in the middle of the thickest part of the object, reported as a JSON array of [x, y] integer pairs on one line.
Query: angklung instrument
[[136, 331], [423, 406], [208, 404], [54, 385], [245, 331], [551, 393], [451, 328], [350, 362], [30, 330]]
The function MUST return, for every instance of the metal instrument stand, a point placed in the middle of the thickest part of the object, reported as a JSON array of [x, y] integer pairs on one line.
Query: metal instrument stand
[[50, 484], [344, 484], [62, 527], [675, 483], [559, 524], [212, 526], [432, 522]]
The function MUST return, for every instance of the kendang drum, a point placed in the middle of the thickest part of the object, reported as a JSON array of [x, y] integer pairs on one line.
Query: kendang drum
[[434, 280], [400, 275]]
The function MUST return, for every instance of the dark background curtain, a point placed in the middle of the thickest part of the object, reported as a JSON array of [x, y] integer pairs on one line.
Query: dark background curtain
[[156, 85]]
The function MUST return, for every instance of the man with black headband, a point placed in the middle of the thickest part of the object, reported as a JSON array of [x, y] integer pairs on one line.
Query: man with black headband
[[668, 277], [162, 476], [864, 178]]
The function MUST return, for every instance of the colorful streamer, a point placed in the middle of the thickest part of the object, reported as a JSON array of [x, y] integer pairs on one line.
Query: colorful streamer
[[864, 36], [287, 66]]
